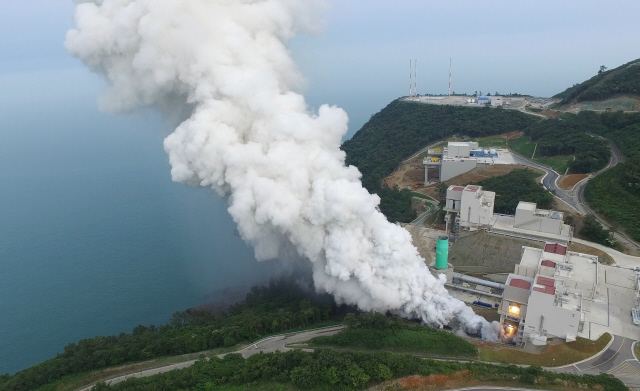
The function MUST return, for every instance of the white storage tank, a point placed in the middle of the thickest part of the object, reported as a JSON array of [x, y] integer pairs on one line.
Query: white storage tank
[[492, 151]]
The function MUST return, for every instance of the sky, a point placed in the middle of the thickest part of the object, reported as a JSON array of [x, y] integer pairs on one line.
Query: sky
[[360, 61]]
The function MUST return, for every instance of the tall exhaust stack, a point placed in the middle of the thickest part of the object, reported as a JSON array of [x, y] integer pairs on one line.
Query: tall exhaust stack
[[442, 253], [449, 78]]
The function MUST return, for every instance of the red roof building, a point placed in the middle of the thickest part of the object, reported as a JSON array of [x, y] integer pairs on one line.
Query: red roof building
[[472, 188], [548, 263], [555, 249], [549, 290], [546, 281], [518, 283]]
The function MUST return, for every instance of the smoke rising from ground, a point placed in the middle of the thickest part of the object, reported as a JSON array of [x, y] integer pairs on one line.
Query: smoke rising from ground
[[251, 138]]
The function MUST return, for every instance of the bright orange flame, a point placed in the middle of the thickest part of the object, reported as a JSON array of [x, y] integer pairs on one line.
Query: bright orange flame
[[514, 310]]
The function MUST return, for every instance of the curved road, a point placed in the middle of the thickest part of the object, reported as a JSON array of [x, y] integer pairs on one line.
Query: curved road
[[421, 219], [617, 359], [266, 345], [575, 197]]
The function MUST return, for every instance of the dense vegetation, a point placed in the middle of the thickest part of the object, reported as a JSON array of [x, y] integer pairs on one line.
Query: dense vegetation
[[266, 310], [592, 230], [616, 192], [395, 204], [275, 308], [331, 370], [609, 194], [566, 136], [376, 331], [518, 185], [403, 128], [622, 80]]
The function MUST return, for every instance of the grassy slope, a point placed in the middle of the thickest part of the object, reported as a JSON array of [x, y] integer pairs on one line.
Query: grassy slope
[[563, 353], [415, 339], [559, 163], [523, 146], [492, 142]]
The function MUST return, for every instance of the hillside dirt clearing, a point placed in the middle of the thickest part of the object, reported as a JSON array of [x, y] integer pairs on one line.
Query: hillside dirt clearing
[[477, 174], [567, 182], [409, 172], [412, 170]]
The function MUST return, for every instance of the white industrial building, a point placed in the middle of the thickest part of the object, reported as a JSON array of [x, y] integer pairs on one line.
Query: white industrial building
[[494, 101], [544, 296], [556, 293], [462, 150], [531, 221], [529, 217], [456, 159], [473, 206]]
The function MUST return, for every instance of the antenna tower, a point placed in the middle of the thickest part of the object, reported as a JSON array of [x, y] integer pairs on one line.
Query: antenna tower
[[416, 82], [410, 85], [449, 78]]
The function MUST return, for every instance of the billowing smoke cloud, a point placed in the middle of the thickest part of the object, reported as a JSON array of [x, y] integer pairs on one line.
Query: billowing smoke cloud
[[251, 138]]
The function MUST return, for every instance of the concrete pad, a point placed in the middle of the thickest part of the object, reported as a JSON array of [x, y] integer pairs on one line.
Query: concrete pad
[[504, 157], [619, 278], [598, 312]]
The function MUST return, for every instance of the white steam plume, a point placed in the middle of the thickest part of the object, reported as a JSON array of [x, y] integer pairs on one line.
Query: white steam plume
[[250, 137]]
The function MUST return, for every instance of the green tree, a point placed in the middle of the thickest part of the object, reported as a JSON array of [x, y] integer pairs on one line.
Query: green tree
[[593, 231]]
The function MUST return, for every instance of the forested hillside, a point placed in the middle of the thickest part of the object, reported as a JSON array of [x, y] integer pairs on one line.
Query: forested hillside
[[567, 136], [403, 128], [616, 193], [376, 331], [516, 186], [266, 310], [624, 80], [346, 371]]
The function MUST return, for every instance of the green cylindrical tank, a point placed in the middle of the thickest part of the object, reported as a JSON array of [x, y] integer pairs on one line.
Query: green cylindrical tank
[[442, 252]]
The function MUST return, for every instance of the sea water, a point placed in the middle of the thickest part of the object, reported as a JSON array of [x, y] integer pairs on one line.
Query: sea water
[[95, 238]]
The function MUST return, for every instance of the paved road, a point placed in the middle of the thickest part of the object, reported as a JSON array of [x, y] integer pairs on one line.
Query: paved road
[[549, 181], [267, 345], [575, 197], [278, 343], [421, 219], [577, 193], [618, 360], [622, 260]]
